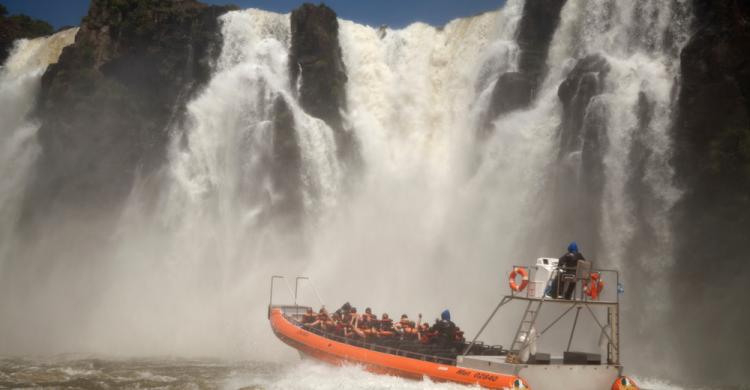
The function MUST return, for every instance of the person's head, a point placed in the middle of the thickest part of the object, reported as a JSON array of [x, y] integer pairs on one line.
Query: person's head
[[573, 247], [353, 310], [368, 311], [404, 317], [309, 310], [445, 315], [385, 316], [323, 310]]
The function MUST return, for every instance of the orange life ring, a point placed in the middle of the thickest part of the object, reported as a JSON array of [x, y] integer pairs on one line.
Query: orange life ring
[[524, 279], [595, 286], [624, 383]]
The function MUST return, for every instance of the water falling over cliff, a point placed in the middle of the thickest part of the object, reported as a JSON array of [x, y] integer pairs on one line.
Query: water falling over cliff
[[447, 196], [20, 77]]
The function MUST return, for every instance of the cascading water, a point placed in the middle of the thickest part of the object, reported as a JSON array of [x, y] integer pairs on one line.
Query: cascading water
[[20, 78], [436, 215], [629, 122]]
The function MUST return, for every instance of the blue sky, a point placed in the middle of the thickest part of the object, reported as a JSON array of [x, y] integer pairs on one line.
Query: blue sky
[[395, 13]]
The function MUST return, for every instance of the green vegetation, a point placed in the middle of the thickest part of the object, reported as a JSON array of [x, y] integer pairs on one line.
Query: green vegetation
[[17, 27], [29, 26]]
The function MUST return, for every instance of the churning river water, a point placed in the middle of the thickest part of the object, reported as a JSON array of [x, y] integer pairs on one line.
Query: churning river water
[[93, 373]]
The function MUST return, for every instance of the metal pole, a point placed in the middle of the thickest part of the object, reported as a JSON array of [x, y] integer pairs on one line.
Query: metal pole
[[289, 288], [572, 331], [270, 298], [296, 284], [558, 318], [602, 328], [499, 305]]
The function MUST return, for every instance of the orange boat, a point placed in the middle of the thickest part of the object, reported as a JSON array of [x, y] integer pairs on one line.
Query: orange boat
[[379, 359], [520, 367]]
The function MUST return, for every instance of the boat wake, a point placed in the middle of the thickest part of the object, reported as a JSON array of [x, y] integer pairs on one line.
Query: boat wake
[[319, 376], [309, 374]]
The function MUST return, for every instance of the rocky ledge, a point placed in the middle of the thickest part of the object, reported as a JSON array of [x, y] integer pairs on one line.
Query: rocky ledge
[[107, 104], [317, 67]]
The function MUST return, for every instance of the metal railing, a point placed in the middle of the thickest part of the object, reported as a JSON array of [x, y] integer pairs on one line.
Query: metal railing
[[606, 275]]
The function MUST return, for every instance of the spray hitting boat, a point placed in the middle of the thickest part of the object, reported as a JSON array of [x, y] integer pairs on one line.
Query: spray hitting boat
[[521, 366]]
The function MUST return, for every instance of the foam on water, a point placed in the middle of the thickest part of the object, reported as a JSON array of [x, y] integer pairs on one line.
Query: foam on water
[[311, 375]]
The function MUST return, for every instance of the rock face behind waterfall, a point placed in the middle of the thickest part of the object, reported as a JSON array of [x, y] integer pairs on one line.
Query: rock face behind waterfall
[[516, 90], [712, 165], [585, 81], [316, 66], [579, 176], [286, 169], [107, 103]]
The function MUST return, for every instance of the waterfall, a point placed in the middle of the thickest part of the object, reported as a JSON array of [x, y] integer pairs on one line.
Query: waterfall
[[20, 79], [436, 215], [617, 163]]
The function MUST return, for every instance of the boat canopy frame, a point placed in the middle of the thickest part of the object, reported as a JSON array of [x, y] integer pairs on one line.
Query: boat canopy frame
[[292, 293]]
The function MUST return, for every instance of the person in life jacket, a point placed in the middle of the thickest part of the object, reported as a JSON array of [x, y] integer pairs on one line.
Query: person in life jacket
[[425, 334], [309, 317], [385, 326], [405, 326], [369, 322], [362, 326], [338, 324], [567, 264], [444, 330], [352, 323], [344, 309], [323, 320]]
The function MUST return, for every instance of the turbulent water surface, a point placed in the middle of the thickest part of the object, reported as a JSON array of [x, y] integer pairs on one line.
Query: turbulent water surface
[[73, 373], [434, 218]]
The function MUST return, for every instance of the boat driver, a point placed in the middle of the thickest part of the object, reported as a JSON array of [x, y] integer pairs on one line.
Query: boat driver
[[567, 276]]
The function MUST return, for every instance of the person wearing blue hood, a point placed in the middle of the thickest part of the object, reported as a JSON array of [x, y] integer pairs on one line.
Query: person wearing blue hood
[[445, 329], [567, 263]]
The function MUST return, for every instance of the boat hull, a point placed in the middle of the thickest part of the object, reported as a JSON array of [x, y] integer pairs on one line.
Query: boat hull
[[338, 353]]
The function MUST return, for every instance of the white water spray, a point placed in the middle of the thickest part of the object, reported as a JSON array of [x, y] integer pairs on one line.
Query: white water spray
[[20, 79]]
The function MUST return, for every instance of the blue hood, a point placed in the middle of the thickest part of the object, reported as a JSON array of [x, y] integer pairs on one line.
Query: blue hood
[[445, 315], [573, 247]]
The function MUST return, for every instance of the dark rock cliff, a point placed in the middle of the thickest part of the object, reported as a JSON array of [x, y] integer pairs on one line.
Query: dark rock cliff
[[712, 166], [516, 90], [579, 173], [316, 66], [106, 105], [538, 25], [17, 27], [286, 166]]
